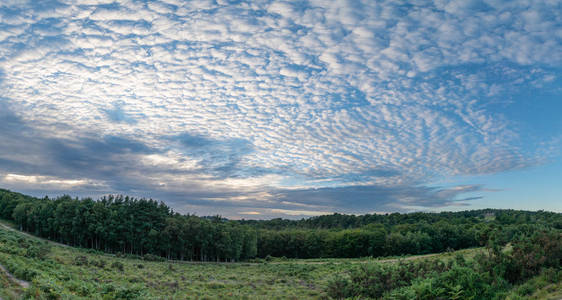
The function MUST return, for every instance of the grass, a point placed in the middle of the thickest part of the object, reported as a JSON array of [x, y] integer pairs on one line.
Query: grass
[[8, 289], [547, 285], [72, 273]]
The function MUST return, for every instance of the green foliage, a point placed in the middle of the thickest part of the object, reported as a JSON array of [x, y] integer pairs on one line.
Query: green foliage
[[118, 266], [457, 275], [100, 263], [152, 257], [141, 228], [375, 280], [38, 251], [394, 234], [486, 277], [523, 252], [81, 260], [127, 293], [129, 227], [48, 289]]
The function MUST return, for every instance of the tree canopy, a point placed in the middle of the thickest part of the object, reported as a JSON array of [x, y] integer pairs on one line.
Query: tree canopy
[[122, 224]]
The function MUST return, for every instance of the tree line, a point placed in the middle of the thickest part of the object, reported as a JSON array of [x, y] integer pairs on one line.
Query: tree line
[[121, 224], [340, 235]]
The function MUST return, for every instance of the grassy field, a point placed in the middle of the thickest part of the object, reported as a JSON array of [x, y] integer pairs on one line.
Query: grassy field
[[58, 272]]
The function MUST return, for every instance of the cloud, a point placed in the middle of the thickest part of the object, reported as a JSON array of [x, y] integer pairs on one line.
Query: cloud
[[378, 198], [118, 114], [221, 157], [48, 183], [171, 98]]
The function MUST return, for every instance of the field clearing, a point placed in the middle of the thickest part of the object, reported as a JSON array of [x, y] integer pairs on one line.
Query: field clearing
[[80, 274]]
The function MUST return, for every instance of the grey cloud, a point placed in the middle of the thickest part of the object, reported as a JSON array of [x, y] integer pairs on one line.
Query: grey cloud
[[29, 151], [354, 199], [351, 200], [88, 155], [221, 157]]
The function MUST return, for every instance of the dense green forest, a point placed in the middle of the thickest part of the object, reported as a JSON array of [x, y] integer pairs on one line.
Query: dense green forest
[[118, 224], [126, 225]]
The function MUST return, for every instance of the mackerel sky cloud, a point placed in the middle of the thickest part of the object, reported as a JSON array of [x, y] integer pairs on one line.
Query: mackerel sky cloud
[[257, 109]]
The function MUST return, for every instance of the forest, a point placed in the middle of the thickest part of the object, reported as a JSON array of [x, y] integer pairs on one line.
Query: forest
[[505, 254], [145, 227]]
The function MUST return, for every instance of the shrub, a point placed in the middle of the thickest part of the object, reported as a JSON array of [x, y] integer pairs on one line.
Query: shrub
[[47, 290], [39, 252], [93, 251], [128, 293], [132, 256], [374, 280], [24, 273], [81, 260], [22, 242], [340, 288], [552, 275], [152, 257], [80, 288], [99, 263], [526, 289], [20, 269], [118, 265]]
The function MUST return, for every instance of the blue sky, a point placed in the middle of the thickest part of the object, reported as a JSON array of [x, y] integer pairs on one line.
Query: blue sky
[[260, 109]]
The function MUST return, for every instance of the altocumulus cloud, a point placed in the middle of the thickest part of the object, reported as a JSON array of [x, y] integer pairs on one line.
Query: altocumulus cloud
[[268, 108]]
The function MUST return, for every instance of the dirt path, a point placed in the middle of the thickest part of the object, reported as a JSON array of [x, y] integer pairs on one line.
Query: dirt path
[[304, 262], [24, 284], [407, 258]]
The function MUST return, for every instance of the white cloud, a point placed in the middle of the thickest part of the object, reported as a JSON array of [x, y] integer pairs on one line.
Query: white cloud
[[304, 213], [321, 90], [47, 182]]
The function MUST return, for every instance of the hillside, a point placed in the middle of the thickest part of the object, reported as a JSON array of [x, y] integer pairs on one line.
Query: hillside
[[125, 248], [55, 271], [58, 271]]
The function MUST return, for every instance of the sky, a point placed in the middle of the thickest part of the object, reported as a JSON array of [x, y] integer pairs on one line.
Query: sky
[[264, 109]]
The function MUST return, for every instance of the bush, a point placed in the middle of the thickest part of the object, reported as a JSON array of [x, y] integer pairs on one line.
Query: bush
[[152, 257], [552, 275], [47, 290], [128, 256], [526, 289], [340, 288], [99, 263], [81, 260], [128, 293], [93, 251], [118, 265], [489, 276], [80, 288], [39, 252], [374, 280]]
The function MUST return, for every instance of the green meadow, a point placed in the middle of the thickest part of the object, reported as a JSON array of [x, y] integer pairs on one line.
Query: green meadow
[[56, 271]]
